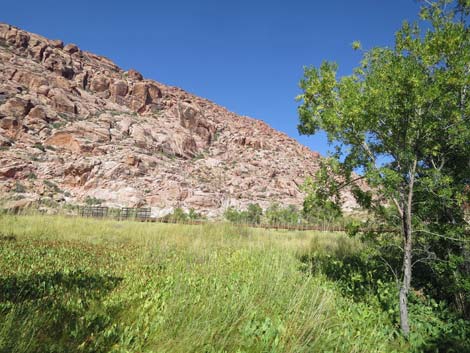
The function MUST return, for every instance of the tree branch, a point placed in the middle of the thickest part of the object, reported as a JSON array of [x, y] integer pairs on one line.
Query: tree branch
[[394, 273], [371, 156], [443, 236], [350, 182]]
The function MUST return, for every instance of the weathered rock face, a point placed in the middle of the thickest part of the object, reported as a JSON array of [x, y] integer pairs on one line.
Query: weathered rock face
[[76, 120]]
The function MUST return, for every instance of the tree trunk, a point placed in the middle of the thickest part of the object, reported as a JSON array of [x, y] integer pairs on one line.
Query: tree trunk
[[405, 287], [407, 249]]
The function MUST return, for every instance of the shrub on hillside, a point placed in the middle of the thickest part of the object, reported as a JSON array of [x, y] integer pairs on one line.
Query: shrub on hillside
[[91, 201]]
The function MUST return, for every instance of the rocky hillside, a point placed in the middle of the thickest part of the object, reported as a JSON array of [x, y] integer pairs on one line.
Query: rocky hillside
[[76, 127]]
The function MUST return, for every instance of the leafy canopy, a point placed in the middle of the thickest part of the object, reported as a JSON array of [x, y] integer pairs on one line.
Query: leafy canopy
[[402, 106], [402, 121]]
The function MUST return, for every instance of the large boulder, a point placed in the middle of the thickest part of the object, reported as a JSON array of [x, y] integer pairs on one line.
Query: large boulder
[[71, 48], [9, 123], [12, 169], [140, 97], [143, 94], [134, 75], [37, 51], [81, 79], [5, 141], [188, 115], [191, 118], [16, 107], [99, 84], [203, 201], [17, 38], [77, 174], [4, 29], [61, 102], [59, 65], [141, 136], [56, 43], [37, 118], [64, 140], [118, 90]]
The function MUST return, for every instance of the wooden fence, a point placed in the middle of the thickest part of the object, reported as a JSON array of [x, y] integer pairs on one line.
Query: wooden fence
[[125, 213], [144, 215]]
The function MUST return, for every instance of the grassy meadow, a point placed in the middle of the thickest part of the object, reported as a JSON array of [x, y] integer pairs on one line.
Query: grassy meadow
[[85, 285]]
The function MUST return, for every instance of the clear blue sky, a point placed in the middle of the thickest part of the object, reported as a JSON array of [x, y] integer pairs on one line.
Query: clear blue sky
[[244, 55]]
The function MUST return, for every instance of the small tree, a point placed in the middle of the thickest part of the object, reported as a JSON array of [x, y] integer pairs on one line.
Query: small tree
[[277, 215], [178, 215], [397, 120], [254, 213], [193, 215], [232, 215]]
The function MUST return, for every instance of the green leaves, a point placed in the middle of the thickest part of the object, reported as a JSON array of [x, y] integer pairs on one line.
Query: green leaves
[[402, 119], [319, 98], [400, 105], [356, 45]]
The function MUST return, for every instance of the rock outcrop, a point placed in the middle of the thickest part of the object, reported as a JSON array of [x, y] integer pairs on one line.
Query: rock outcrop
[[74, 123]]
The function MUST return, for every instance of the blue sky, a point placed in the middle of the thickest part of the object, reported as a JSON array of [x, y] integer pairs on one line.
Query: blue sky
[[244, 55]]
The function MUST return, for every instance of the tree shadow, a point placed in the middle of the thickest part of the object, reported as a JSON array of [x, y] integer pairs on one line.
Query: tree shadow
[[57, 312], [17, 289], [365, 278], [448, 342]]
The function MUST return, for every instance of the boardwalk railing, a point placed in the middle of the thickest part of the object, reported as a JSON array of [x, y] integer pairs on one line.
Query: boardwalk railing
[[125, 213], [144, 215], [93, 211]]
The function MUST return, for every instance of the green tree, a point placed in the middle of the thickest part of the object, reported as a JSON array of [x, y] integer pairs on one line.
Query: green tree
[[254, 213], [277, 215], [401, 120], [178, 215], [232, 215], [193, 215]]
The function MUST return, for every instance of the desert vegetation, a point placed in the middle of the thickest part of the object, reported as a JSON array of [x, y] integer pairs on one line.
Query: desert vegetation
[[73, 284], [291, 217]]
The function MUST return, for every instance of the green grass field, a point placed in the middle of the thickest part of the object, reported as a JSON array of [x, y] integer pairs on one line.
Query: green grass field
[[84, 285]]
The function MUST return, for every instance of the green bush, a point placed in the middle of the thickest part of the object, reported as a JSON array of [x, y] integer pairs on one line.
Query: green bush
[[364, 274], [233, 215], [180, 215], [193, 215], [52, 186], [252, 215], [39, 146], [93, 201], [289, 215]]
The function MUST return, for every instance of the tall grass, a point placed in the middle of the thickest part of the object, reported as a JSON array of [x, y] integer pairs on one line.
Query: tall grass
[[84, 285]]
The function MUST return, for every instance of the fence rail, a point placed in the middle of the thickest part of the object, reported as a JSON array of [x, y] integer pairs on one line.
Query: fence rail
[[144, 215]]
